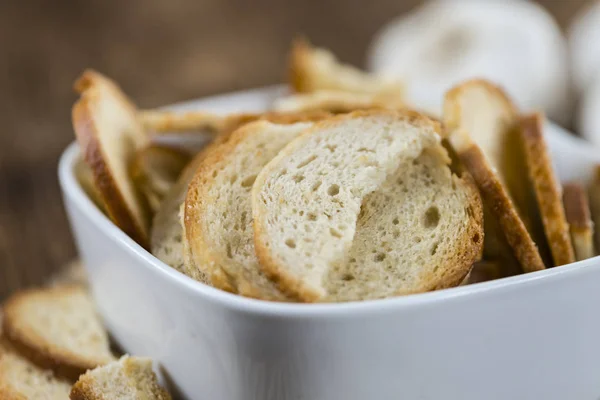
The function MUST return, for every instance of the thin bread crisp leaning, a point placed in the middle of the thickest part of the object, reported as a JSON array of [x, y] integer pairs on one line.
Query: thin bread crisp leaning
[[129, 378], [109, 134], [500, 204], [22, 380], [218, 209], [483, 127], [57, 329], [363, 206], [594, 197], [313, 69], [547, 189], [580, 221]]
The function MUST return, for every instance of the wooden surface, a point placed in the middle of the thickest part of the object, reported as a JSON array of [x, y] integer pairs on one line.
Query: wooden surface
[[161, 52]]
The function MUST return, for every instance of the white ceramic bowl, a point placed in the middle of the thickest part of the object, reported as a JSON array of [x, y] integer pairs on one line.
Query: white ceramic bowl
[[534, 336]]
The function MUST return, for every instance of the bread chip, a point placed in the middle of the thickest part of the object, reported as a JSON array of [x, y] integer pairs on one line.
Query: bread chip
[[155, 170], [482, 125], [547, 189], [313, 69], [364, 206], [218, 209], [22, 380], [109, 134], [58, 329], [167, 239], [129, 378], [580, 221]]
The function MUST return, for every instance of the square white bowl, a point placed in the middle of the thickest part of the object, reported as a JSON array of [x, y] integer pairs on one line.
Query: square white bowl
[[533, 336]]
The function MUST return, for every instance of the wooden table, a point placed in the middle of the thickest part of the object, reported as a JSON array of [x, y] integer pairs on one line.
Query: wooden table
[[161, 52]]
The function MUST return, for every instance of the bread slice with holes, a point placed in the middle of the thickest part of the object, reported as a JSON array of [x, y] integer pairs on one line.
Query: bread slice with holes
[[313, 69], [578, 215], [218, 210], [20, 379], [168, 234], [130, 378], [58, 329], [365, 206], [109, 135], [483, 128], [547, 189]]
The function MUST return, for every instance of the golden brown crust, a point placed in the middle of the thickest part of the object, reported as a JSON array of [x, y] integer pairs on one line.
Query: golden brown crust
[[297, 289], [298, 66], [578, 215], [500, 205], [87, 135], [547, 189], [37, 349]]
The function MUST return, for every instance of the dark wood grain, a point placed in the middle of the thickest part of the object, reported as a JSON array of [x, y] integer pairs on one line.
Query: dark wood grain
[[161, 52]]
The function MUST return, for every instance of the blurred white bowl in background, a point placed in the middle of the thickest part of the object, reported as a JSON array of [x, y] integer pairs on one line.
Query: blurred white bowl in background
[[514, 43], [584, 37]]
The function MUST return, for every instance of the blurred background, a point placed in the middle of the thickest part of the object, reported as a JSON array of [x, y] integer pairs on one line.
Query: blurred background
[[160, 52]]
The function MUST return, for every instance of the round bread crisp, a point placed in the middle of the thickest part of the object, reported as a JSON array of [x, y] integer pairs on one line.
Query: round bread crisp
[[109, 134], [365, 206]]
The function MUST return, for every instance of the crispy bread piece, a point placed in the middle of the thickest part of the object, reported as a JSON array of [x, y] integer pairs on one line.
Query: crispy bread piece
[[130, 378], [312, 69], [22, 380], [499, 203], [85, 178], [155, 170], [58, 329], [336, 102], [483, 127], [594, 197], [109, 134], [167, 239], [365, 206], [218, 209], [547, 189], [580, 220]]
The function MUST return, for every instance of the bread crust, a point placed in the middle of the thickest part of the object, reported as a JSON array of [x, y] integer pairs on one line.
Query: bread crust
[[36, 348], [88, 135], [297, 289], [547, 189], [501, 206], [578, 215]]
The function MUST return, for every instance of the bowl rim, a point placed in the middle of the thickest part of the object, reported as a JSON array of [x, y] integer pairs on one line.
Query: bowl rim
[[72, 190]]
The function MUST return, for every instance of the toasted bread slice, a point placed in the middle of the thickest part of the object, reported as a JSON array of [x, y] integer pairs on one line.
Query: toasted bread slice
[[594, 198], [22, 380], [313, 69], [109, 134], [57, 329], [483, 129], [547, 189], [85, 178], [336, 102], [130, 378], [155, 170], [161, 121], [167, 238], [580, 220], [365, 206], [218, 210]]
